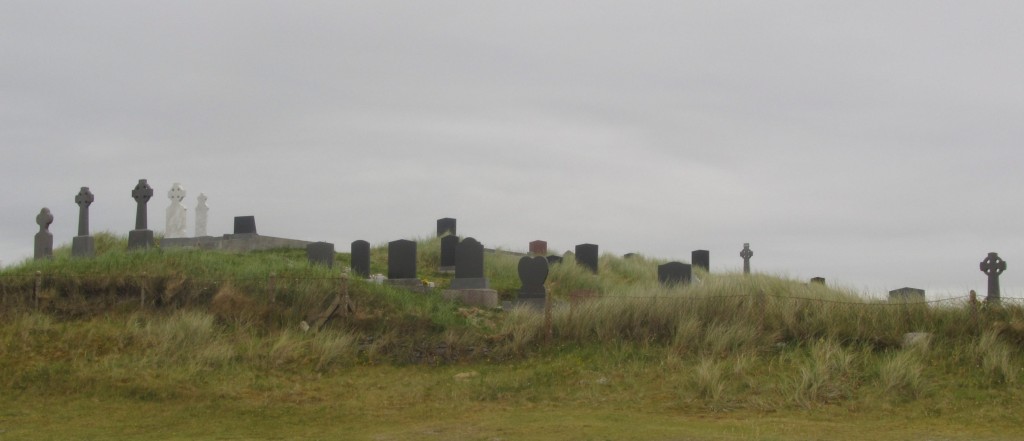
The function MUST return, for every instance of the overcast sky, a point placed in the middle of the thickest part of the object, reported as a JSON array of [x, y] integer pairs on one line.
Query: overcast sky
[[873, 143]]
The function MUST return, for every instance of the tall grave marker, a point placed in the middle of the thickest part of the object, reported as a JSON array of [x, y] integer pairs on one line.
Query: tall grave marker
[[746, 254], [469, 265], [361, 258], [202, 213], [449, 245], [402, 260], [177, 214], [83, 244], [533, 272], [586, 255], [44, 239], [701, 259], [446, 226], [141, 236], [993, 266]]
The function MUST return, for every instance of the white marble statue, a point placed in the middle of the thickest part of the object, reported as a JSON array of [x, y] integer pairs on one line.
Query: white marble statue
[[176, 212], [201, 210]]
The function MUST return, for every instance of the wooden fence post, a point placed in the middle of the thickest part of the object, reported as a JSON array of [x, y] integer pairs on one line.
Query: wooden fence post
[[142, 291], [271, 287], [38, 288], [972, 303]]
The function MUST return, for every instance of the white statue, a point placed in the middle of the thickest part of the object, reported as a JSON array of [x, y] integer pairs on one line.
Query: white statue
[[176, 212], [201, 210]]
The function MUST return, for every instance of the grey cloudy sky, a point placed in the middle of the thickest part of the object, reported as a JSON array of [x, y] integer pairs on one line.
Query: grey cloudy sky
[[874, 143]]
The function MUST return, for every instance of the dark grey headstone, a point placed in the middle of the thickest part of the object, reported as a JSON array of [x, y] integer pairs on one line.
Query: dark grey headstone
[[993, 266], [402, 259], [907, 294], [361, 258], [44, 239], [629, 255], [586, 255], [320, 253], [445, 226], [469, 265], [449, 244], [83, 244], [141, 236], [538, 248], [746, 254], [554, 259], [533, 272], [674, 273], [245, 225], [701, 259], [818, 280]]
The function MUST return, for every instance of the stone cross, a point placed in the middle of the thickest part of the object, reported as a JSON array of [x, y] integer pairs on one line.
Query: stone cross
[[746, 254], [201, 216], [993, 266], [44, 239], [84, 199], [141, 193], [176, 212]]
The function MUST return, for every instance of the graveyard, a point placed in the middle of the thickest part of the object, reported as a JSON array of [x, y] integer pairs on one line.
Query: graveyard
[[113, 336]]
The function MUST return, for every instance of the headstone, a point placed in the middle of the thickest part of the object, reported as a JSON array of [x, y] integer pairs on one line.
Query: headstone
[[746, 254], [361, 258], [245, 225], [320, 253], [701, 259], [83, 245], [44, 239], [533, 272], [552, 259], [907, 294], [673, 273], [401, 259], [202, 212], [818, 280], [993, 266], [538, 248], [469, 265], [629, 255], [141, 236], [177, 214], [449, 244], [586, 255], [445, 226]]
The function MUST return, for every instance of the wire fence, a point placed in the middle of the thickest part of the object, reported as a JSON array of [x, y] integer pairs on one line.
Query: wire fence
[[23, 284]]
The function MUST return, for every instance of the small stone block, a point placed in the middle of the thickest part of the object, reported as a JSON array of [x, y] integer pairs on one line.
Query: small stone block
[[245, 225], [320, 253], [140, 239], [538, 247], [481, 298], [674, 273], [83, 246]]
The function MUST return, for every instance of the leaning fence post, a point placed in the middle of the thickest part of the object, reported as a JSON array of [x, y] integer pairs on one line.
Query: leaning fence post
[[547, 318], [142, 291], [270, 287], [973, 304], [38, 287]]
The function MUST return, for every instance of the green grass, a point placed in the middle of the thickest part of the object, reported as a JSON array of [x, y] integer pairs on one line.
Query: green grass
[[217, 352]]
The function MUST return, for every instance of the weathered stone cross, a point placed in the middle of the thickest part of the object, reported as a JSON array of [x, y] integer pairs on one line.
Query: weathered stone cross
[[993, 266], [141, 194], [84, 199], [746, 254]]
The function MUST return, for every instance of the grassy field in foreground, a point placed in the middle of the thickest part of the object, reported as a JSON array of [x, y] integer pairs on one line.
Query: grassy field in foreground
[[216, 352]]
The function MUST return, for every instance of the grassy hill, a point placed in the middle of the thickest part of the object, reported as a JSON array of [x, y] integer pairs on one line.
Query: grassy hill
[[166, 344]]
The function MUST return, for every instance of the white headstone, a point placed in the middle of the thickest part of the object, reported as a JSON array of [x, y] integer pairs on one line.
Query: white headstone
[[176, 212], [201, 210]]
